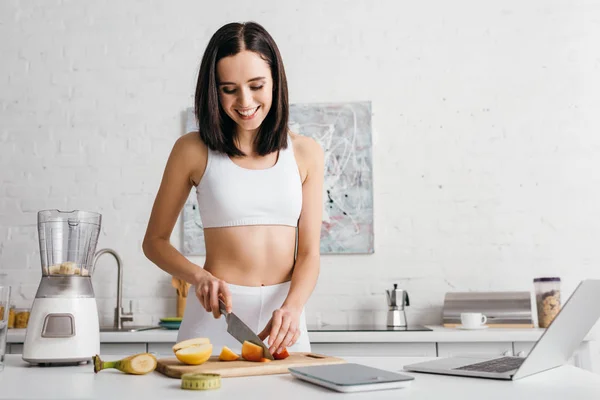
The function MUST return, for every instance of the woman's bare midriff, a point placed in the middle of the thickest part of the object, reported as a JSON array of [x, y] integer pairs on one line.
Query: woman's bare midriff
[[252, 255]]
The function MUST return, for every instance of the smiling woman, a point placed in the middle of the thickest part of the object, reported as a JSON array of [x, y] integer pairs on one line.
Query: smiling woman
[[259, 189], [247, 102], [246, 83]]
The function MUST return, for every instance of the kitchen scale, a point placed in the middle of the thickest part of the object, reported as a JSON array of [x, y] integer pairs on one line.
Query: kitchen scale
[[63, 326]]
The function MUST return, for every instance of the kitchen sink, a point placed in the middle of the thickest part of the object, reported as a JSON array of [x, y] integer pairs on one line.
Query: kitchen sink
[[128, 328]]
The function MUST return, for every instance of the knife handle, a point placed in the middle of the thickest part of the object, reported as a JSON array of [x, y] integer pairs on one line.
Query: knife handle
[[223, 308]]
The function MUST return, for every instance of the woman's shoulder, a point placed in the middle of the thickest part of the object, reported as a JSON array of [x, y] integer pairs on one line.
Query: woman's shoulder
[[192, 139], [190, 144], [306, 147], [193, 152]]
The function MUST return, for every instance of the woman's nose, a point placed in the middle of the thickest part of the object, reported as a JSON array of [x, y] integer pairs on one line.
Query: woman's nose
[[245, 98]]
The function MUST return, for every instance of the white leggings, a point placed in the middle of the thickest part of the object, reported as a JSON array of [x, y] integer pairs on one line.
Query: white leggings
[[252, 304]]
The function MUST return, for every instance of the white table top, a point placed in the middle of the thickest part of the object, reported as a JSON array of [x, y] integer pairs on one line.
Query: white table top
[[19, 381], [438, 334]]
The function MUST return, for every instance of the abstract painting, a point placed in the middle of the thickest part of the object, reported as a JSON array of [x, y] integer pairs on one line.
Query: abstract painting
[[344, 132]]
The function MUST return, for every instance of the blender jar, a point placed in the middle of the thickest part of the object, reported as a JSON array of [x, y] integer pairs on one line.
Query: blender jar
[[68, 241], [547, 295]]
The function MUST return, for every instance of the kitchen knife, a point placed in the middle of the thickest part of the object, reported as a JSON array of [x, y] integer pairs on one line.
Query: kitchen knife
[[241, 332]]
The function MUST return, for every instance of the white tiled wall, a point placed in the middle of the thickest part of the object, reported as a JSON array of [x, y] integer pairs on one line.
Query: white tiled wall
[[486, 145]]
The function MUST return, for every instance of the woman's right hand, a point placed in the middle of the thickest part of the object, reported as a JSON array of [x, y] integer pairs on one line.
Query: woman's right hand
[[209, 289]]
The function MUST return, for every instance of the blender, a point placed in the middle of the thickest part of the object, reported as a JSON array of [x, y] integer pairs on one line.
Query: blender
[[63, 325]]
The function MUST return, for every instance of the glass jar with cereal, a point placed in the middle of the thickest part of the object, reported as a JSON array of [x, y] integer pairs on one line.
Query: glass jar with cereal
[[547, 295]]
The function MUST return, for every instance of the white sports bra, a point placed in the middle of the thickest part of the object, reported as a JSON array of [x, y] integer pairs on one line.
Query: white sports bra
[[230, 195]]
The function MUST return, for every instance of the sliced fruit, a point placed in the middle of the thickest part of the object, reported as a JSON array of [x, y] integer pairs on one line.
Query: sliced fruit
[[194, 355], [265, 360], [228, 355], [283, 354], [251, 351], [190, 342]]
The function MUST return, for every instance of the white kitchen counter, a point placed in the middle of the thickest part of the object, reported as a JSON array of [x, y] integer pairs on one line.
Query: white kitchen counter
[[438, 334], [19, 381]]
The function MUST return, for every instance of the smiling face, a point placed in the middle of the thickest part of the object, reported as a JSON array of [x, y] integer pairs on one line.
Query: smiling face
[[245, 89]]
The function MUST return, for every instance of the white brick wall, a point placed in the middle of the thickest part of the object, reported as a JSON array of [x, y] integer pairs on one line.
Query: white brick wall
[[485, 152]]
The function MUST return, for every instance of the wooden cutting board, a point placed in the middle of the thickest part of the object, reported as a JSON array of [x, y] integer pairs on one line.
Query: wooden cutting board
[[173, 368]]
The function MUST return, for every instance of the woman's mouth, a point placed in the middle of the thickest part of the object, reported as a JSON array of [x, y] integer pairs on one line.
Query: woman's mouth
[[248, 113]]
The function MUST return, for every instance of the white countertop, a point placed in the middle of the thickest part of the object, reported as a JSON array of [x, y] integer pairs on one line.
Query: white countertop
[[438, 334], [19, 381]]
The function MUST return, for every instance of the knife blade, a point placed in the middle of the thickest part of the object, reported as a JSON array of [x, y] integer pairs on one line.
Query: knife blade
[[241, 332]]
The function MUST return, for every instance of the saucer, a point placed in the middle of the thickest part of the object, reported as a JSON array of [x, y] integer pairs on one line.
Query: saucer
[[170, 325], [473, 329]]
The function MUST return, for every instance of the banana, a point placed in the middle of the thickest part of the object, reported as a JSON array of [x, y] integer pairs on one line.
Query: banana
[[138, 364]]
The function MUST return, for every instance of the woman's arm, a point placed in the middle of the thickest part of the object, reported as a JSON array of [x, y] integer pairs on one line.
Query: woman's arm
[[283, 328], [172, 194], [306, 268]]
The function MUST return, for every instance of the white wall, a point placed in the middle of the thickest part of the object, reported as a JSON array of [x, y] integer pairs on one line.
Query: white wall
[[486, 165]]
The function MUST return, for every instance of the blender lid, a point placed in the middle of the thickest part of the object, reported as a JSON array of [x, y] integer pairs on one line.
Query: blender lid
[[73, 216]]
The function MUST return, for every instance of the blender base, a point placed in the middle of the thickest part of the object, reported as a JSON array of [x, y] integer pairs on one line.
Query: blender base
[[79, 344]]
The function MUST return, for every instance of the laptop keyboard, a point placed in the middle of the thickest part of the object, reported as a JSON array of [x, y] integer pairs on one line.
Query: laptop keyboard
[[503, 364]]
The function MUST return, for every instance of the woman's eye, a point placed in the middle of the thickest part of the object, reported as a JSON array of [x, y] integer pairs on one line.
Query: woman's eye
[[228, 91], [256, 87]]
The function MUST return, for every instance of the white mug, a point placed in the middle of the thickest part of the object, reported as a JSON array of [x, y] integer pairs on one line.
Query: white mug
[[472, 320]]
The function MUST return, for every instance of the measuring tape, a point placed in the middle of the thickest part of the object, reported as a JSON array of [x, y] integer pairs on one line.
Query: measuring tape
[[195, 381]]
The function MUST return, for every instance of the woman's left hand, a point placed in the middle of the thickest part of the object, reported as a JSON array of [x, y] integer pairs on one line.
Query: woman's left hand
[[283, 329]]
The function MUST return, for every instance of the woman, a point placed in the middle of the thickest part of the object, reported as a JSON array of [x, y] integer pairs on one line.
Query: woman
[[259, 189]]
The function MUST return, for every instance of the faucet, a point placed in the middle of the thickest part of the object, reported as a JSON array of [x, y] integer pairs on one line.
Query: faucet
[[120, 315]]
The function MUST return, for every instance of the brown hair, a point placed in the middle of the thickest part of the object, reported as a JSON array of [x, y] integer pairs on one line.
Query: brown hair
[[216, 128]]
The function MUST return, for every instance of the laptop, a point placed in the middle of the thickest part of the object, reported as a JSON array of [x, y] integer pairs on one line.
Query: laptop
[[553, 349], [351, 377]]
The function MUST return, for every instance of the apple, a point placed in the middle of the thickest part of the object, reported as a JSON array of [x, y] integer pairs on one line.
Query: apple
[[251, 351], [283, 354], [228, 355]]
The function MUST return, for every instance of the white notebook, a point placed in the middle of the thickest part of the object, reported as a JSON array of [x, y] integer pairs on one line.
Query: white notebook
[[350, 377]]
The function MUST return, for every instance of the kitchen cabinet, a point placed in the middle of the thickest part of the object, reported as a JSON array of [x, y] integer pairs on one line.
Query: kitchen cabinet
[[440, 342], [580, 358], [15, 348], [375, 349], [123, 348], [475, 348], [161, 348], [522, 349], [105, 348]]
